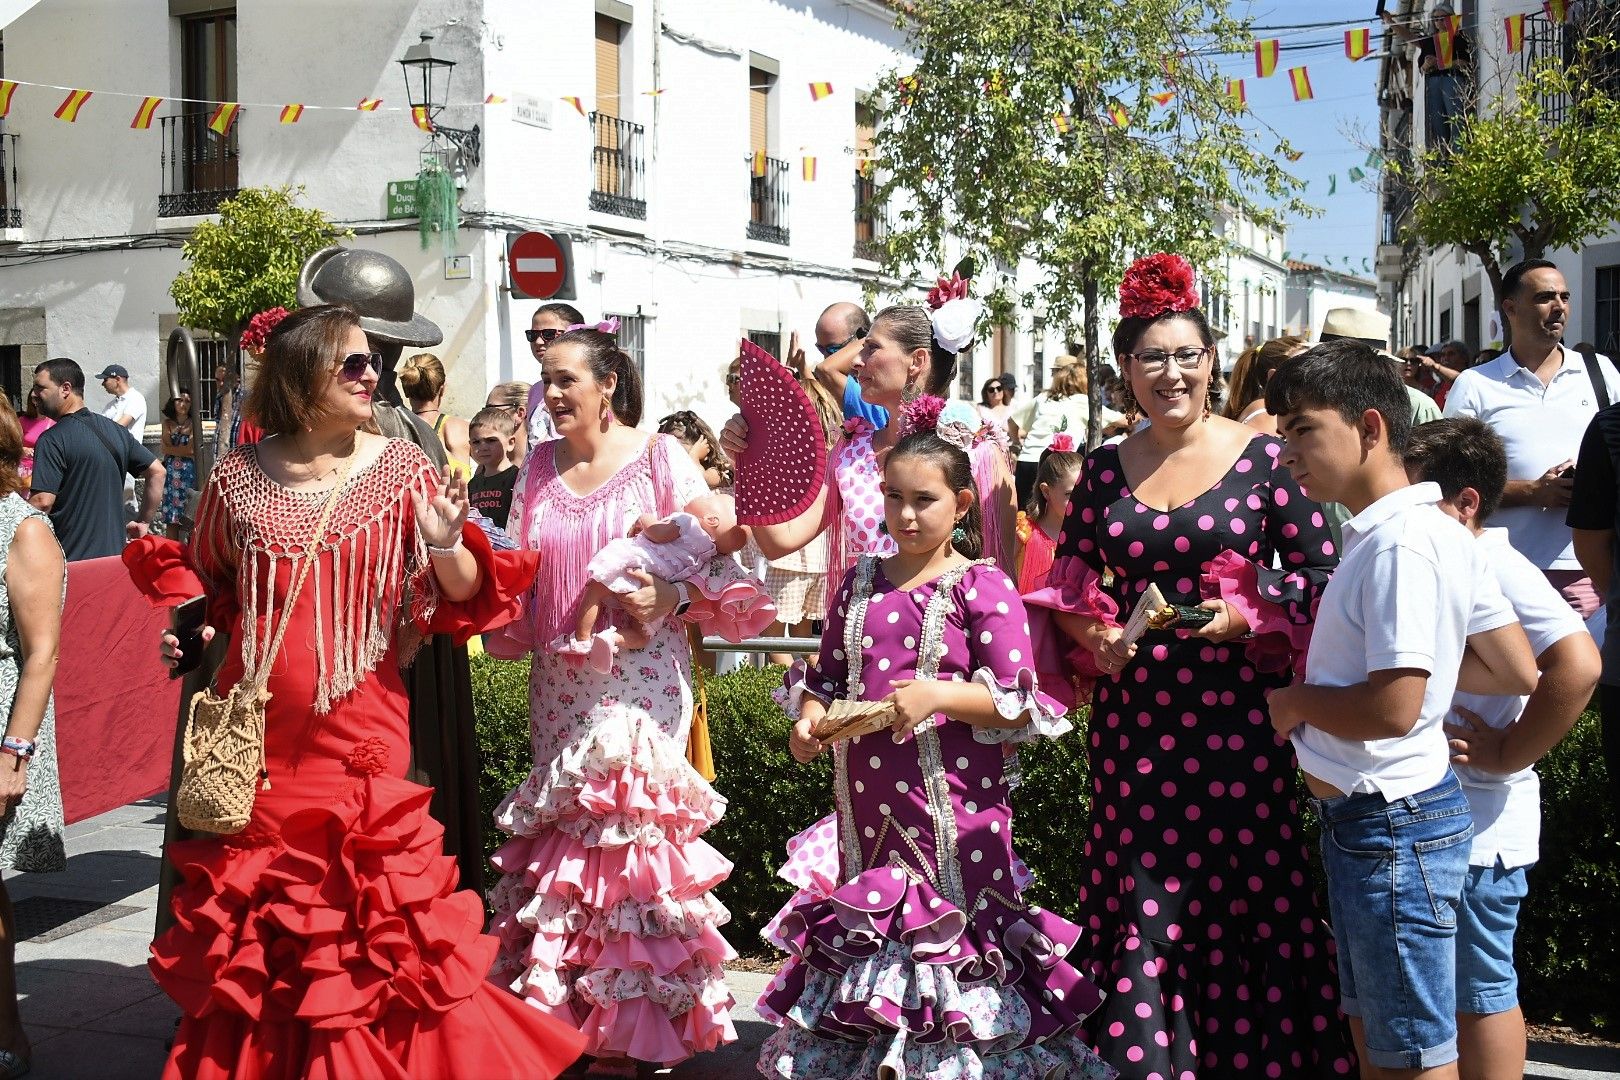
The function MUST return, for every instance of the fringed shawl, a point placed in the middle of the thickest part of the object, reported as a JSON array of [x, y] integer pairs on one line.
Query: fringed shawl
[[371, 572]]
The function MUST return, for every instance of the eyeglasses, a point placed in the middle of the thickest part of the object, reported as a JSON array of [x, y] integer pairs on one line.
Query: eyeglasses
[[828, 350], [548, 335], [735, 377], [354, 365], [1155, 361]]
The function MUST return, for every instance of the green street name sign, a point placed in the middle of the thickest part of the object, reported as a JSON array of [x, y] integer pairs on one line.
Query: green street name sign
[[401, 199]]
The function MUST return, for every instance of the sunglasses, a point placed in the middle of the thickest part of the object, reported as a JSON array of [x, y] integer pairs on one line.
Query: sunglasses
[[548, 335], [354, 365], [828, 350]]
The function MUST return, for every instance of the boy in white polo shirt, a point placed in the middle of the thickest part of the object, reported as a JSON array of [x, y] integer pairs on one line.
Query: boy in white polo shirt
[[1495, 741], [1408, 616]]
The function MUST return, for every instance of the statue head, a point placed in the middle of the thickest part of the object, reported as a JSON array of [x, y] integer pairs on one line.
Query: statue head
[[380, 290]]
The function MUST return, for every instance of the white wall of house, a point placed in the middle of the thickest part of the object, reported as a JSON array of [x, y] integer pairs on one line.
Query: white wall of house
[[1313, 291]]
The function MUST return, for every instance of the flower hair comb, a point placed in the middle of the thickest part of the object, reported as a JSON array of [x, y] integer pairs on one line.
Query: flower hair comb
[[1157, 284]]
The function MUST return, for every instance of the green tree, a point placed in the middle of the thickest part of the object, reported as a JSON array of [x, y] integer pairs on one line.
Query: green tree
[[1008, 138], [248, 261], [1534, 170]]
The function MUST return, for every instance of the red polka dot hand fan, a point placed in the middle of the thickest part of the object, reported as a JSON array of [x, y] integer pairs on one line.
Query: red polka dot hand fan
[[786, 463]]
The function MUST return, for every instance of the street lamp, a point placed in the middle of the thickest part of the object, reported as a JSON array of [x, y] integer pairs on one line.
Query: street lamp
[[427, 87]]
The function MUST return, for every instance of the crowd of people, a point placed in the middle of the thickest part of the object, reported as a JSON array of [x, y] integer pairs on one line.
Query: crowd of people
[[1297, 584]]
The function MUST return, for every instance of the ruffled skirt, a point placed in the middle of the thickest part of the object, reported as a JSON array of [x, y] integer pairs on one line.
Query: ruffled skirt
[[888, 979], [340, 948], [603, 910]]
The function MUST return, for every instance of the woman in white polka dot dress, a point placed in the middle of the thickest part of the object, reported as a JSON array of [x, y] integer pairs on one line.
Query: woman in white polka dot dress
[[924, 963]]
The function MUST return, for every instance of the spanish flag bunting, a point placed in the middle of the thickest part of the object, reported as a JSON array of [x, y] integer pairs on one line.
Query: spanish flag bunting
[[1514, 25], [494, 99], [369, 104], [7, 88], [143, 115], [1301, 80], [819, 90], [653, 93], [1357, 43], [1445, 50], [1557, 10], [1265, 56], [759, 163], [420, 117], [290, 114], [578, 105], [1453, 24], [69, 109], [1060, 121], [809, 167], [909, 85], [1119, 116], [1165, 98], [1237, 94], [1293, 155], [863, 167], [224, 116]]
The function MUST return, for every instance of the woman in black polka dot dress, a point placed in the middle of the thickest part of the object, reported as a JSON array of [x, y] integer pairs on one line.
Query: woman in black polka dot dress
[[1206, 932]]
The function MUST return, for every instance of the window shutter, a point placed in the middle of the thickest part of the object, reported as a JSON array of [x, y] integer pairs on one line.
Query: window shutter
[[609, 32], [759, 96]]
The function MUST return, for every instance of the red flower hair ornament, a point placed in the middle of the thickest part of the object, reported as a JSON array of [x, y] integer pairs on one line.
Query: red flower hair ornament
[[1156, 285], [257, 334]]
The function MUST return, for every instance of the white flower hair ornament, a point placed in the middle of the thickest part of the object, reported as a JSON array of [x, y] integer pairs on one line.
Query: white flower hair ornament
[[955, 314], [959, 425]]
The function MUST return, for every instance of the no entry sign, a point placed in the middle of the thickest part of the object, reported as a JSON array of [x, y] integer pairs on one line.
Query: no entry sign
[[539, 266]]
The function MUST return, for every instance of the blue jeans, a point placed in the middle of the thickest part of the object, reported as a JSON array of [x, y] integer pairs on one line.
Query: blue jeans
[[1395, 875]]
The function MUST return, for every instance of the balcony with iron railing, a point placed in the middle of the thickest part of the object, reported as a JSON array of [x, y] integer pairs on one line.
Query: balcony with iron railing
[[200, 166], [10, 208], [871, 222], [768, 201], [618, 169]]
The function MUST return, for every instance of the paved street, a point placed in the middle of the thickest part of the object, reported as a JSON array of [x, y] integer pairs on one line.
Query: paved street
[[93, 1012]]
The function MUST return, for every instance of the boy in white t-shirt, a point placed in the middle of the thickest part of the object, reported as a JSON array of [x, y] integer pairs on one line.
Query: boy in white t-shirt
[[1495, 741], [1409, 615]]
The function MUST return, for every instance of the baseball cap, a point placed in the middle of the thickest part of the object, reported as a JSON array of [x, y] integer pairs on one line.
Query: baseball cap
[[114, 371]]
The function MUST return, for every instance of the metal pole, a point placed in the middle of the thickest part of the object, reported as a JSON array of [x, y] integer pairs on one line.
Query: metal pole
[[798, 646]]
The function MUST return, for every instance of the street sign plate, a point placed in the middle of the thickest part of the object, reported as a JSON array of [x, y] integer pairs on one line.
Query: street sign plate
[[537, 265], [401, 199]]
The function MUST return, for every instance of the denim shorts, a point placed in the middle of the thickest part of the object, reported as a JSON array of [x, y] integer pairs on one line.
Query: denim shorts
[[1486, 981], [1395, 873]]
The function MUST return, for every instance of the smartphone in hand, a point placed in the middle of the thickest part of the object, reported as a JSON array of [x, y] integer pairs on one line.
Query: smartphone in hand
[[189, 619]]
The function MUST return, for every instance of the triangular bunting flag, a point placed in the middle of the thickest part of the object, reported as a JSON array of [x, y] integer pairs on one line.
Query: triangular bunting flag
[[1301, 80], [653, 93], [420, 117], [1165, 98], [1453, 24], [224, 116], [1237, 94], [1265, 56], [1333, 185], [809, 169], [1293, 155], [1557, 10], [1357, 43], [1513, 25], [69, 109], [143, 115], [1375, 160], [1445, 50], [819, 90], [759, 163], [1119, 116], [1061, 122], [1356, 174], [370, 104], [290, 114], [578, 105], [494, 99], [909, 85], [7, 88]]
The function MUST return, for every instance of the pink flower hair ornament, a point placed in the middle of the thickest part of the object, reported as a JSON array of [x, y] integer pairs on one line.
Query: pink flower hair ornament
[[920, 414], [609, 325], [1156, 285], [257, 334], [947, 289]]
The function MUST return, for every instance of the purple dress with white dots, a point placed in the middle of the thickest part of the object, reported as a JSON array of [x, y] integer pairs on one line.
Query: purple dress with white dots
[[925, 963], [1202, 922]]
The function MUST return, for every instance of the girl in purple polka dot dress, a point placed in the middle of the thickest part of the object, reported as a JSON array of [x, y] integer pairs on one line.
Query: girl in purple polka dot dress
[[924, 963], [1202, 923]]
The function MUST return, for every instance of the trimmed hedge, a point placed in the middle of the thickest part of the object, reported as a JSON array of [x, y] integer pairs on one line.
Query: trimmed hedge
[[1569, 932]]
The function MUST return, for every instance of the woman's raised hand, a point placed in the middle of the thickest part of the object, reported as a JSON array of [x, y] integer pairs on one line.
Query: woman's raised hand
[[169, 649], [440, 517], [734, 437]]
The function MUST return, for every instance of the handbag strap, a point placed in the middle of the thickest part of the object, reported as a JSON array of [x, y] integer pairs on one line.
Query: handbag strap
[[262, 677], [1594, 372]]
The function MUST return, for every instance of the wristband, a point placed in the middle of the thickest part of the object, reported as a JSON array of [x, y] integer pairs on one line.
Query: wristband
[[685, 598], [22, 748], [447, 552]]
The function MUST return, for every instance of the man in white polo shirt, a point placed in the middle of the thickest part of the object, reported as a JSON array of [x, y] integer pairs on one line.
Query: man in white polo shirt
[[1539, 397]]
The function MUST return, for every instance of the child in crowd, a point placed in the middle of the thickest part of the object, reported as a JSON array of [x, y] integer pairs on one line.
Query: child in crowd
[[493, 438], [1495, 741], [673, 549], [1411, 615], [1040, 524], [927, 932]]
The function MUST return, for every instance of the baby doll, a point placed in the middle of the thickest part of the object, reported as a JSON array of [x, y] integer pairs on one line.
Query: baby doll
[[672, 549]]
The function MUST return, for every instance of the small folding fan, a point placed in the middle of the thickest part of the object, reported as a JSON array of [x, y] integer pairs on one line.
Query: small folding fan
[[786, 463]]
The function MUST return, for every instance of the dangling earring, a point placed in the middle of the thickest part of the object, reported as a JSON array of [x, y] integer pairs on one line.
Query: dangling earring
[[959, 535], [1207, 396], [910, 393], [1133, 411], [602, 413]]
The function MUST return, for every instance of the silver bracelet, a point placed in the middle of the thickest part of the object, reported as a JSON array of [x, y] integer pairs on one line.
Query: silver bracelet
[[447, 552]]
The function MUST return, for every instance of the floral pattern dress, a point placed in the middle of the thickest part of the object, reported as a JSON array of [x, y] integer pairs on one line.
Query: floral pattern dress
[[604, 909], [924, 961], [1204, 926], [180, 477]]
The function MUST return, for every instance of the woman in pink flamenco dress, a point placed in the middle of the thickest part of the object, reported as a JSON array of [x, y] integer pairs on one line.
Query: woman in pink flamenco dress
[[604, 909], [327, 939]]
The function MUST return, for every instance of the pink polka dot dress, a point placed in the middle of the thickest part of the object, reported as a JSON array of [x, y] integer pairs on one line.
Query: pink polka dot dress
[[923, 962], [1202, 923]]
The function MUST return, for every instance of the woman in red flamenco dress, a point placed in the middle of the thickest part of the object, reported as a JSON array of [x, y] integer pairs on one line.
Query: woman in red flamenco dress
[[327, 939]]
